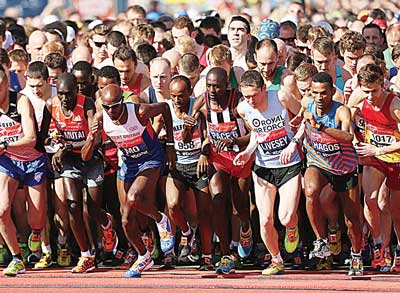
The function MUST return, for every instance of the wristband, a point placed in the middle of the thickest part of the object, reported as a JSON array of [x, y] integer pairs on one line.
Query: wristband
[[320, 126], [168, 143], [205, 151]]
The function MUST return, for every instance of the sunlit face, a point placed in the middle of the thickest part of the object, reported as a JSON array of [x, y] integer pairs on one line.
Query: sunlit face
[[216, 86], [126, 70], [179, 94], [267, 61], [102, 82], [54, 73], [136, 17], [322, 94], [99, 46], [351, 59], [83, 82], [38, 86], [322, 62], [237, 34], [372, 90], [66, 92], [304, 87], [253, 96], [160, 76], [19, 67], [179, 32]]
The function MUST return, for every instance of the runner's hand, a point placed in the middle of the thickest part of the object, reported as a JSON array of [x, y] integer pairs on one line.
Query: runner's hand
[[189, 121], [56, 161], [308, 116], [171, 156], [287, 153], [241, 158], [202, 165], [365, 149], [223, 144], [95, 127]]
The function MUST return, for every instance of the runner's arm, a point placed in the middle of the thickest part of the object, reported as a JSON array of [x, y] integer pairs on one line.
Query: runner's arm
[[93, 139], [344, 134]]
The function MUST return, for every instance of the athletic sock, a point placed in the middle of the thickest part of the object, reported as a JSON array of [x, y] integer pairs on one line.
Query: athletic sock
[[145, 256], [206, 255], [108, 226], [278, 258], [355, 254], [86, 253], [164, 218], [187, 233], [36, 231], [46, 249], [377, 240], [17, 257]]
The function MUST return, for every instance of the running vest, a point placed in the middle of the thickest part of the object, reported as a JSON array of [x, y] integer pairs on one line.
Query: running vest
[[381, 128], [186, 152], [11, 130], [75, 127], [135, 141], [339, 78], [323, 150], [273, 132], [359, 125], [233, 81], [224, 124], [15, 86], [276, 82], [135, 88]]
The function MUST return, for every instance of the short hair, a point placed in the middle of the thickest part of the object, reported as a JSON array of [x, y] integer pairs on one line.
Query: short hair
[[18, 55], [110, 72], [137, 8], [116, 39], [83, 66], [185, 44], [305, 71], [69, 78], [162, 59], [352, 42], [159, 24], [37, 70], [142, 31], [295, 59], [373, 50], [145, 53], [324, 45], [183, 78], [252, 78], [241, 19], [372, 25], [211, 22], [288, 24], [189, 63], [219, 54], [57, 28], [302, 31], [54, 47], [323, 77], [370, 73], [317, 32], [184, 22], [4, 58], [377, 13], [55, 60], [211, 41], [266, 43], [124, 53]]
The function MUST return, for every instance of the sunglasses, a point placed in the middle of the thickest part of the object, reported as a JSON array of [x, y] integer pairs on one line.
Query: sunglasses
[[288, 40], [112, 106], [99, 44]]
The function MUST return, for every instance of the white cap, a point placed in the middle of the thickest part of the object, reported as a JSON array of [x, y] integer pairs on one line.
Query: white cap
[[70, 34], [50, 19], [94, 23]]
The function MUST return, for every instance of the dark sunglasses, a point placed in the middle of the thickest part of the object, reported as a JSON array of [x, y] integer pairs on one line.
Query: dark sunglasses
[[112, 106], [99, 44], [288, 40]]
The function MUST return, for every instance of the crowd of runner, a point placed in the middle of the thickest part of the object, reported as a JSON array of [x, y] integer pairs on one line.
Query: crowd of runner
[[132, 142]]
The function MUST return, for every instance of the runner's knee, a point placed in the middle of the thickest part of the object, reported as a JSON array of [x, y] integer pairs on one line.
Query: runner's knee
[[135, 198]]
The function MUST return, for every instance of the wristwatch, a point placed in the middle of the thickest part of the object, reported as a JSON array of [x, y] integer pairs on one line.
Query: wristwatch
[[320, 126], [295, 140]]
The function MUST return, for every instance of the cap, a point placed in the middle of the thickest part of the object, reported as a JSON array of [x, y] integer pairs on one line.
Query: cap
[[363, 15], [70, 34], [381, 23], [268, 29]]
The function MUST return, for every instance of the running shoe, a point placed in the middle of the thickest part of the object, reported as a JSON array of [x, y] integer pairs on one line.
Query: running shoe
[[25, 252], [262, 256], [118, 258], [325, 263], [356, 265], [16, 266], [139, 267], [168, 262], [396, 264], [34, 242], [85, 265], [335, 241], [63, 255], [387, 267], [245, 243], [34, 257], [378, 256], [291, 239], [4, 255], [321, 249], [206, 264], [44, 262], [226, 265], [275, 268], [129, 259], [167, 238], [110, 240], [185, 245]]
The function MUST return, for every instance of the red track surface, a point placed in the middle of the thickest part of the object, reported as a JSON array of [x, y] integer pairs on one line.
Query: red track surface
[[190, 280]]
